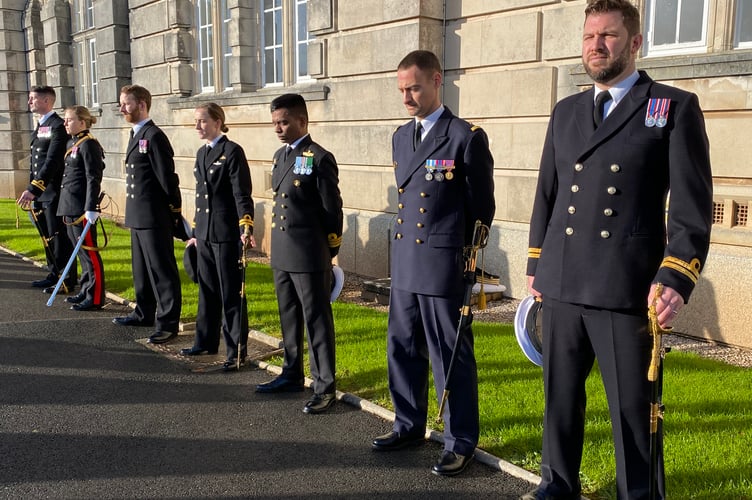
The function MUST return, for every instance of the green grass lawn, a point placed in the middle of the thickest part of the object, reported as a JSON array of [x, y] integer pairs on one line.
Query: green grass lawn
[[708, 421]]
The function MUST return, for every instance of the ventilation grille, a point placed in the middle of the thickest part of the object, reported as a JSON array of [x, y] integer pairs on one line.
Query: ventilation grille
[[731, 213], [741, 215], [718, 212]]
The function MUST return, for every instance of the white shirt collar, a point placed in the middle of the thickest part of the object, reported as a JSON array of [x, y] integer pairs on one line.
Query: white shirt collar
[[618, 91], [295, 144], [44, 117], [215, 141], [140, 125], [429, 121]]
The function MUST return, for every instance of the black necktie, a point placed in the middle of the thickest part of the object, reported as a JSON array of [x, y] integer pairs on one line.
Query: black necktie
[[418, 135], [600, 101]]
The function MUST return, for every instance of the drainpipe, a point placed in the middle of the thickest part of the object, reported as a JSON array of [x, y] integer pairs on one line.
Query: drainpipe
[[443, 45]]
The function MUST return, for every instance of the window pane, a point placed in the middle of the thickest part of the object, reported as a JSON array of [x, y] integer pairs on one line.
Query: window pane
[[302, 21], [278, 65], [666, 12], [268, 66], [89, 14], [303, 60], [278, 27], [744, 21], [226, 47], [76, 15], [268, 29], [93, 71], [690, 26]]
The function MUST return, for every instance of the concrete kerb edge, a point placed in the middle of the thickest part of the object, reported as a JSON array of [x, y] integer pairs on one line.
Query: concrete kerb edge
[[351, 399], [480, 455]]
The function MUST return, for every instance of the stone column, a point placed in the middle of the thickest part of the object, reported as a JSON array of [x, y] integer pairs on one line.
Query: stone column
[[15, 119]]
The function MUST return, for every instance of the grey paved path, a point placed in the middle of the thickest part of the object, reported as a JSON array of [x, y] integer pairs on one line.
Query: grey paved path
[[87, 411]]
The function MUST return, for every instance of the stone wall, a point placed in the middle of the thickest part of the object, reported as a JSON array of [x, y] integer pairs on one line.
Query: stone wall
[[506, 65]]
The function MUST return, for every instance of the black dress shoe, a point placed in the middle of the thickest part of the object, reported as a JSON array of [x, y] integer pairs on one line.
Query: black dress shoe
[[196, 351], [76, 299], [86, 305], [280, 384], [396, 441], [63, 290], [50, 280], [451, 464], [319, 403], [538, 494], [161, 337], [231, 365], [131, 321]]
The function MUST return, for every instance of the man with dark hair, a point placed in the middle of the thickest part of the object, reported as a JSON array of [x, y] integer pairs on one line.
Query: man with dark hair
[[152, 212], [48, 143], [444, 175], [306, 235], [601, 241]]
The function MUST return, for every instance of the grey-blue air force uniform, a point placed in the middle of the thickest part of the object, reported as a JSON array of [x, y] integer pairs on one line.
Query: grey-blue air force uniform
[[224, 209], [597, 242], [306, 235], [443, 188], [152, 206]]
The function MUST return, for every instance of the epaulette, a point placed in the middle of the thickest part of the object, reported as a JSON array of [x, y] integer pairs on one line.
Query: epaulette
[[473, 128]]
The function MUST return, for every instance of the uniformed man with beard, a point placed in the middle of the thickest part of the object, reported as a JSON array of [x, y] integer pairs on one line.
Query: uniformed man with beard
[[152, 212], [601, 241]]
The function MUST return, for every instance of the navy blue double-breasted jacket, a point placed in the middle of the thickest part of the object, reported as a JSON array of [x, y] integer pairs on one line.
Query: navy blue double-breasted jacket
[[599, 232], [443, 188]]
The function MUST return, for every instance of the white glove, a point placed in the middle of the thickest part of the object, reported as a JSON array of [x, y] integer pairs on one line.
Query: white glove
[[91, 216]]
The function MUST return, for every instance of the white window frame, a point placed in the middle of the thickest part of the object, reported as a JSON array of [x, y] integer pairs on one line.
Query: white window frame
[[205, 36], [275, 46], [226, 19], [84, 44], [213, 45], [741, 7], [286, 46], [650, 49], [93, 83]]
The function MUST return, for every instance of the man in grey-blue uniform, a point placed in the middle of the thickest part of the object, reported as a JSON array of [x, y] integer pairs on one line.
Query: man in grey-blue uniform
[[444, 173]]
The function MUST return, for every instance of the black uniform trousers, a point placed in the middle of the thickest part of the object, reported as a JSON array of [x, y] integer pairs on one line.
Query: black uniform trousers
[[51, 227], [155, 278], [573, 337], [92, 268], [220, 306], [423, 327], [303, 300]]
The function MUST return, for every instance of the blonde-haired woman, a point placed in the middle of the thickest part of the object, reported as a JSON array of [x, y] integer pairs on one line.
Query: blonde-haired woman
[[79, 203], [222, 225]]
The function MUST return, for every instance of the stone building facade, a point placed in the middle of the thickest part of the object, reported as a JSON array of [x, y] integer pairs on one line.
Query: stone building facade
[[507, 62]]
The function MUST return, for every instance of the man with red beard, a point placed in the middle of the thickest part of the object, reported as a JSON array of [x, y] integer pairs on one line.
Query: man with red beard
[[601, 241], [152, 212]]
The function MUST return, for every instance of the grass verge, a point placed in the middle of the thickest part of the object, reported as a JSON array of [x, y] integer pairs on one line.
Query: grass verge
[[708, 422]]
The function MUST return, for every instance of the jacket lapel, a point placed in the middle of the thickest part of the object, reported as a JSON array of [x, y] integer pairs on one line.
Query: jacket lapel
[[133, 143], [215, 153], [434, 140], [632, 103], [284, 166]]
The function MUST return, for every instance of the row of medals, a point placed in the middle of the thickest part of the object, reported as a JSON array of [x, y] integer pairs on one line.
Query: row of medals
[[438, 172], [657, 113]]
